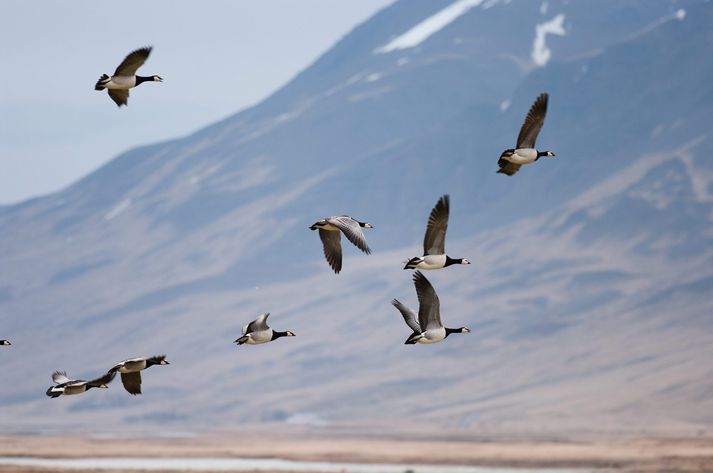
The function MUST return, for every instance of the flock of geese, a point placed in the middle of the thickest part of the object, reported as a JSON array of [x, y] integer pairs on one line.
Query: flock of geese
[[426, 325]]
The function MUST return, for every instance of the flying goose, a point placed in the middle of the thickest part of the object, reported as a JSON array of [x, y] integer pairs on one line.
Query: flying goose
[[125, 77], [427, 326], [257, 332], [525, 152], [329, 230], [130, 371], [5, 343], [66, 386], [434, 242]]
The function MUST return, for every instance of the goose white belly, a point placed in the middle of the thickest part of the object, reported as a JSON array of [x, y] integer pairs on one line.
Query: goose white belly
[[433, 336], [69, 390], [121, 82], [523, 156], [256, 338], [432, 262]]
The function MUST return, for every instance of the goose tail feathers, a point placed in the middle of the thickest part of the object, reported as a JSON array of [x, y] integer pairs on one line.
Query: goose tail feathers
[[101, 82]]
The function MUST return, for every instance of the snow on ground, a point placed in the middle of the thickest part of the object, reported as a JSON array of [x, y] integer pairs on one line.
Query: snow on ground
[[429, 26], [118, 209], [541, 54]]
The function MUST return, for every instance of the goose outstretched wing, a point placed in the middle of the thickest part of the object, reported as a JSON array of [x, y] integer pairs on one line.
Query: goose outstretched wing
[[132, 62], [508, 168], [332, 248], [408, 315], [434, 242], [119, 96], [533, 123], [60, 377], [257, 325], [351, 230], [429, 307]]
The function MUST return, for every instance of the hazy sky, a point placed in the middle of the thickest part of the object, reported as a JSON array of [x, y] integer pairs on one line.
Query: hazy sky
[[216, 57]]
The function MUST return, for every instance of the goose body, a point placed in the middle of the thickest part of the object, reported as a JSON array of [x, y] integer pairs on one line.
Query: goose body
[[525, 152], [330, 230], [130, 371], [434, 241], [65, 386], [258, 332], [125, 77], [427, 262], [5, 343], [426, 326], [429, 336]]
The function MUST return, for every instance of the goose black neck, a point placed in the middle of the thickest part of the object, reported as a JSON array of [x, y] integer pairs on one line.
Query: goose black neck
[[140, 79], [450, 261], [276, 334], [453, 330], [541, 154]]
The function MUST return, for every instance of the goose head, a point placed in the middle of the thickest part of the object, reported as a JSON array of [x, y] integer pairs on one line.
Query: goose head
[[157, 360], [457, 330], [450, 261], [317, 225]]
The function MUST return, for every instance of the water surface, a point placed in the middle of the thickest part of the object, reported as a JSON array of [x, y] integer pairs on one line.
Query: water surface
[[253, 464]]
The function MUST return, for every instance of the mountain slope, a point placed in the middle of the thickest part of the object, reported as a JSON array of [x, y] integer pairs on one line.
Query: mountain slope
[[587, 297]]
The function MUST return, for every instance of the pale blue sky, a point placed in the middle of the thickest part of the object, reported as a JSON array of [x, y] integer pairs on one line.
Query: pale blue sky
[[216, 57]]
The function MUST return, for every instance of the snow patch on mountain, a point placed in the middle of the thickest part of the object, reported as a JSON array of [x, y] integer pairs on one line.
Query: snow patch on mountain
[[541, 54], [118, 209], [429, 26]]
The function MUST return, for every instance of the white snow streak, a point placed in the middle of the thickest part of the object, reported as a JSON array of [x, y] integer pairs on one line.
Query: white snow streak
[[541, 54], [429, 26], [681, 14], [118, 208]]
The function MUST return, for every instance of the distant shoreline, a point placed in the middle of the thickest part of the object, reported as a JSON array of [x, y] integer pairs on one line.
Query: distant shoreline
[[673, 455]]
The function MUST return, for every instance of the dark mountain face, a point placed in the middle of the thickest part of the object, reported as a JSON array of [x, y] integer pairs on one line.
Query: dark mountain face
[[588, 292]]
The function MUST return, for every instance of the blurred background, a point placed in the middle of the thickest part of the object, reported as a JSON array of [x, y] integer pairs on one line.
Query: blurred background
[[165, 226]]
